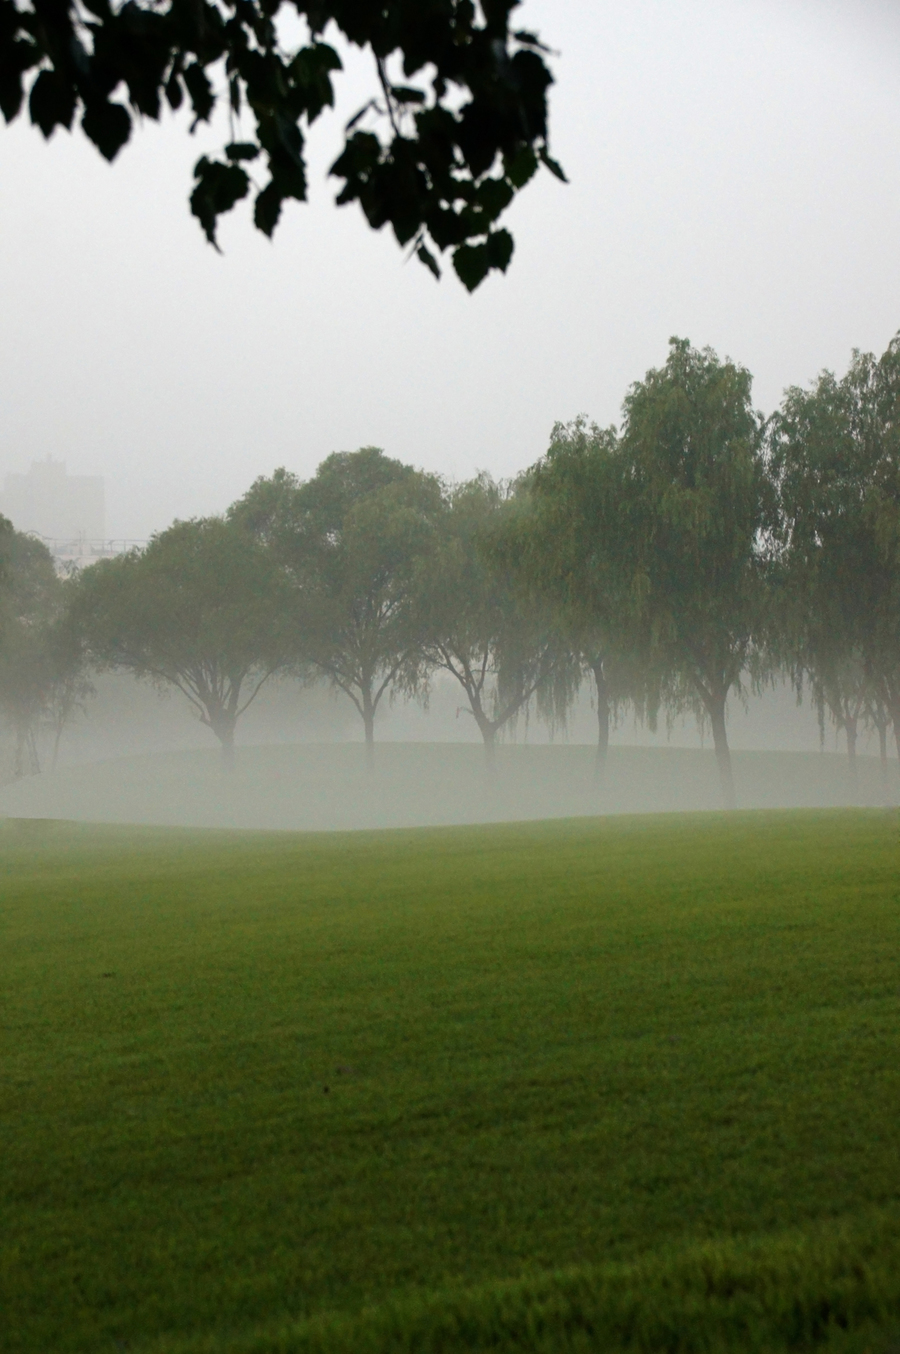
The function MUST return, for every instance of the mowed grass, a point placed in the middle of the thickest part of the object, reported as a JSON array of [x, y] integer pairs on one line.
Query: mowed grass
[[623, 1083]]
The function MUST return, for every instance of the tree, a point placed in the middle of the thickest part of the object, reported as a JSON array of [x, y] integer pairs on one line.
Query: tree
[[42, 666], [571, 549], [458, 142], [352, 541], [836, 455], [478, 626], [821, 476], [67, 659], [698, 505], [199, 609]]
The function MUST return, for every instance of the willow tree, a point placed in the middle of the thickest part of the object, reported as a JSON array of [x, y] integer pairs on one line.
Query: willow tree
[[836, 453], [501, 646], [824, 474], [571, 548], [699, 508]]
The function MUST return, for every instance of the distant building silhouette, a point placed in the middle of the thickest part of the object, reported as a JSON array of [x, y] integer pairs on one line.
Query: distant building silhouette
[[53, 504], [65, 511]]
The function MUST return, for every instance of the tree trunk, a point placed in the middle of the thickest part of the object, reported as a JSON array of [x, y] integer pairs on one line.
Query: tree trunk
[[226, 738], [368, 714], [602, 721], [489, 734], [56, 742], [27, 761], [19, 764], [488, 730], [723, 754], [883, 760], [851, 732]]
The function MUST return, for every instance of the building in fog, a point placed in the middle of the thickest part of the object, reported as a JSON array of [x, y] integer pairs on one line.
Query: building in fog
[[54, 504]]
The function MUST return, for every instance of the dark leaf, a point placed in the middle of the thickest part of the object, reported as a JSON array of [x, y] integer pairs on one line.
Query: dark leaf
[[267, 209], [493, 196], [219, 187], [425, 256], [174, 91], [12, 94], [446, 228], [108, 125], [530, 40], [471, 263], [201, 92], [52, 101], [242, 150], [311, 72], [404, 94], [554, 166], [357, 117], [355, 164], [499, 249], [521, 166], [19, 54]]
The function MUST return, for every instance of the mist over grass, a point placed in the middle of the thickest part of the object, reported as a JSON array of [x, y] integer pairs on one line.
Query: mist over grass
[[328, 786]]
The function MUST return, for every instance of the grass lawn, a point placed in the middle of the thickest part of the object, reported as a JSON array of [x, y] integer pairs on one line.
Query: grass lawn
[[592, 1084]]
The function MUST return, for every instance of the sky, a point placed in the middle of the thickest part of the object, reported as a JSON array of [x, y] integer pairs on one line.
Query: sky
[[734, 173]]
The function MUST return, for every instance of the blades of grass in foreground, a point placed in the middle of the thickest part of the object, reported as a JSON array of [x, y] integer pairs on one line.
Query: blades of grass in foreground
[[837, 1286]]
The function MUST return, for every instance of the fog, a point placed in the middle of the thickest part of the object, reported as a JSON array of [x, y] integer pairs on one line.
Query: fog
[[734, 171], [136, 755], [735, 178]]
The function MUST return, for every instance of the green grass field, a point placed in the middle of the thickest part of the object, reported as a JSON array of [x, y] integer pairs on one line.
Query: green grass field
[[611, 1084]]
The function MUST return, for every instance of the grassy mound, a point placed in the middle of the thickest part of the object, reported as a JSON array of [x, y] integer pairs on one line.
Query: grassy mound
[[326, 786], [628, 1083]]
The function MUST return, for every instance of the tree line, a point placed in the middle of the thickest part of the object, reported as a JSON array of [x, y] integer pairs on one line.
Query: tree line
[[685, 558]]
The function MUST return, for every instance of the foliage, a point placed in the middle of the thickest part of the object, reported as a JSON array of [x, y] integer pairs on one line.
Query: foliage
[[42, 663], [682, 560], [573, 547], [501, 646], [199, 609], [461, 139], [836, 458], [352, 541], [548, 1048], [698, 507]]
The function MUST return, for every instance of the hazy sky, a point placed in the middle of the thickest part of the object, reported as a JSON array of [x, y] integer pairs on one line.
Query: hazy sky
[[735, 178]]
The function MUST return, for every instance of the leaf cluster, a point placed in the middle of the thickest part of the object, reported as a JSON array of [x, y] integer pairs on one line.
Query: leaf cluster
[[443, 160]]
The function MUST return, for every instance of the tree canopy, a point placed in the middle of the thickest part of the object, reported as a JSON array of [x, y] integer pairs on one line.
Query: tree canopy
[[681, 559], [697, 503], [457, 123], [352, 541], [200, 609], [574, 549], [501, 646], [42, 661], [836, 460]]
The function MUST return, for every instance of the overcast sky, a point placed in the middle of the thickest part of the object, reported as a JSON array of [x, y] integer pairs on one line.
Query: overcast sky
[[735, 178]]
